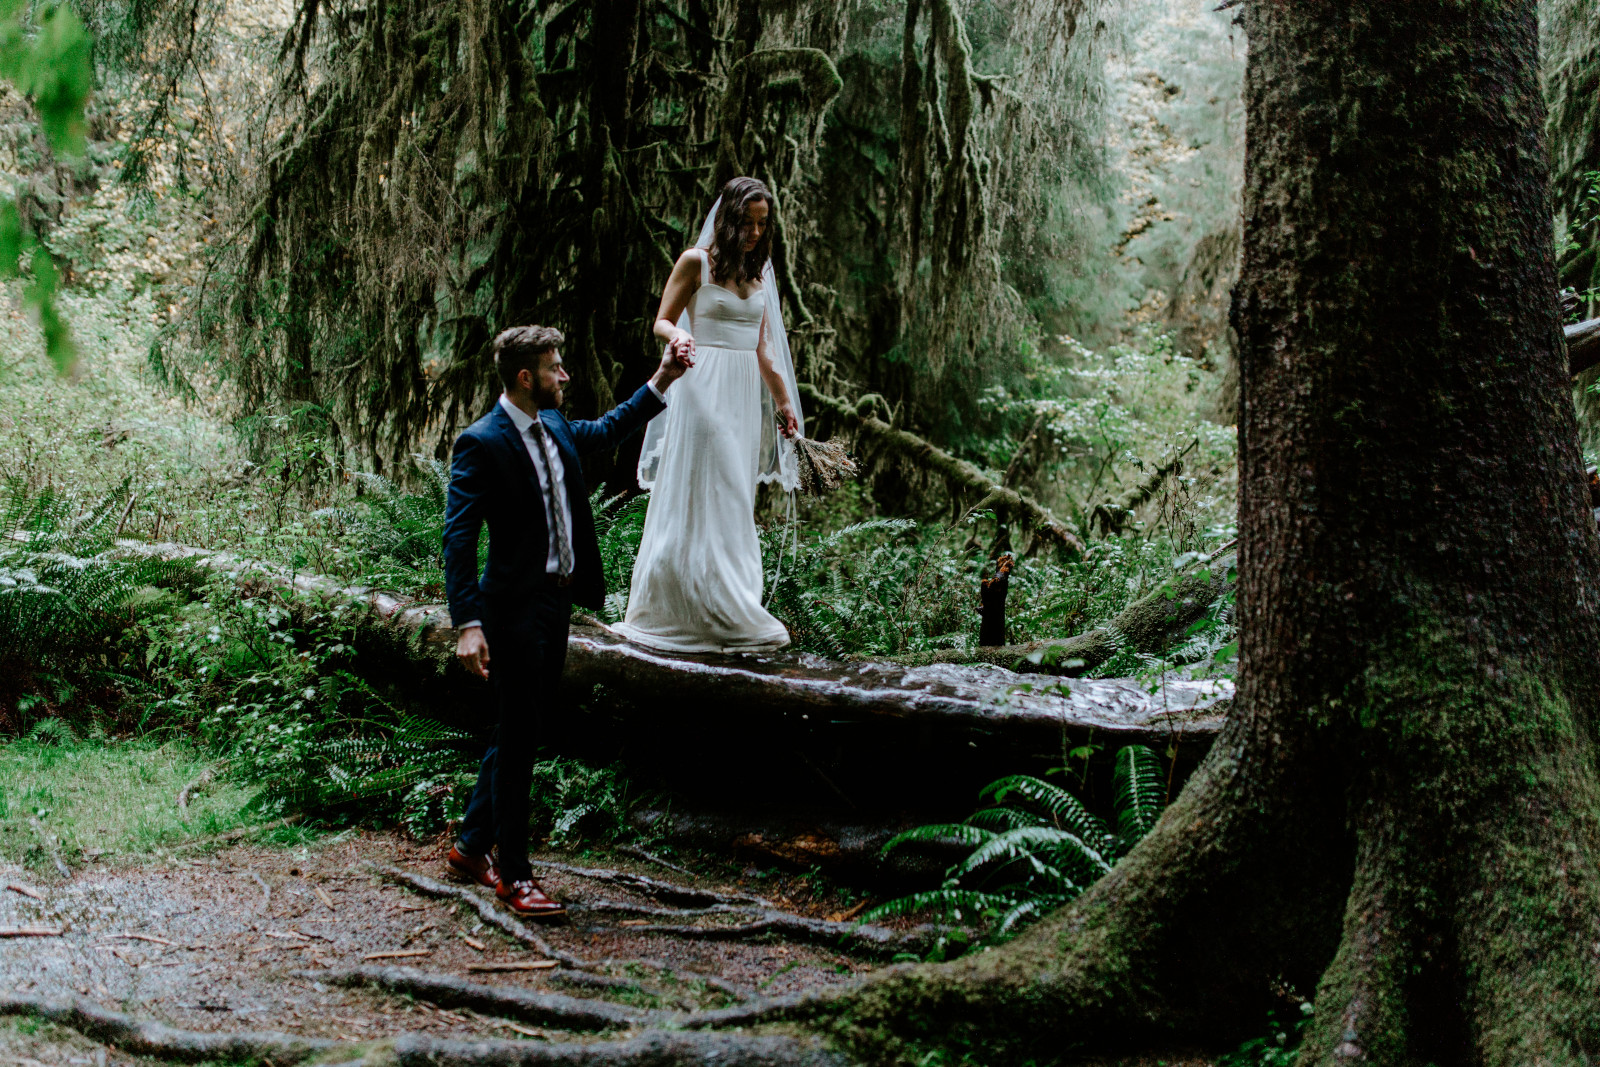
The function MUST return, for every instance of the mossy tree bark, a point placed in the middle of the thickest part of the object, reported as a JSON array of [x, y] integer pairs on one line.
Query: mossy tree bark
[[1403, 812]]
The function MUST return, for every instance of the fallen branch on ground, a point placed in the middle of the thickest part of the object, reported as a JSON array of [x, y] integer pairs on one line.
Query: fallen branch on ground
[[31, 931], [1012, 507]]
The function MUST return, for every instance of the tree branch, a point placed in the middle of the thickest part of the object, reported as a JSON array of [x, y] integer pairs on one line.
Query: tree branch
[[1010, 505]]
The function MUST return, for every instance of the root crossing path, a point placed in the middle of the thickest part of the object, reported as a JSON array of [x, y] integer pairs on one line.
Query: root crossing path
[[362, 946]]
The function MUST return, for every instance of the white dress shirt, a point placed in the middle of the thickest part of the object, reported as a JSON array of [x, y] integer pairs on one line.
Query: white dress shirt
[[550, 472]]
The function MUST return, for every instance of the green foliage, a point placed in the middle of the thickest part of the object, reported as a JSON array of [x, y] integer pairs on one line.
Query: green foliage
[[1036, 848], [399, 535], [44, 53], [1579, 249], [270, 682], [64, 796], [575, 803], [619, 525], [65, 595], [1279, 1046]]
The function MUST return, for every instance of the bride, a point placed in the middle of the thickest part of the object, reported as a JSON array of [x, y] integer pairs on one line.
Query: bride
[[697, 579]]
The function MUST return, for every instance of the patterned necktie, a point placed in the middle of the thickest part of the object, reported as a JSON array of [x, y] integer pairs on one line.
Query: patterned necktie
[[558, 514]]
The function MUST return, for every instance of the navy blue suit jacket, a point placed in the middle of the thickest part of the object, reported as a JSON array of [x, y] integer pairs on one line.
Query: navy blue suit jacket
[[493, 480]]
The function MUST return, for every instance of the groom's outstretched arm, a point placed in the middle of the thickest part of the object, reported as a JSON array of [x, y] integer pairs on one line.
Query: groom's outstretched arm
[[466, 508], [610, 429], [614, 427]]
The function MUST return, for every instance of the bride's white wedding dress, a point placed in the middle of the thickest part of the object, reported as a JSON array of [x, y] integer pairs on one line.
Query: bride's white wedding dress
[[697, 579]]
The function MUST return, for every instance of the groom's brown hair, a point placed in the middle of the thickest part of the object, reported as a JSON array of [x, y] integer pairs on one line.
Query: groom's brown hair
[[521, 348]]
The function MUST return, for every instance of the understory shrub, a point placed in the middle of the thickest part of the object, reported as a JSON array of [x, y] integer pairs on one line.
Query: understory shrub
[[66, 598], [1034, 849]]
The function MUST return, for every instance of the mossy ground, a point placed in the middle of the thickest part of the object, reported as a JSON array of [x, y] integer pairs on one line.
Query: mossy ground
[[111, 800]]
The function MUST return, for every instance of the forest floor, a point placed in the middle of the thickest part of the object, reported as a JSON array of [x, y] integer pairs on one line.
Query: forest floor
[[241, 939], [235, 941]]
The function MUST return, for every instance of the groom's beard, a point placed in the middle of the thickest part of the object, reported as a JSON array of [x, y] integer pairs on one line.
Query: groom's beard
[[548, 399]]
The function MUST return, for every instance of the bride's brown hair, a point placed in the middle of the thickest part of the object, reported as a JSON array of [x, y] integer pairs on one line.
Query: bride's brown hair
[[729, 261]]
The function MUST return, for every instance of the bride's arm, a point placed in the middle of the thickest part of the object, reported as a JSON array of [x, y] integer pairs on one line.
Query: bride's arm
[[682, 283], [781, 400]]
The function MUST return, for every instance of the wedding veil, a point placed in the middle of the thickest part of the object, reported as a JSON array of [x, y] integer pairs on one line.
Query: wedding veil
[[777, 452]]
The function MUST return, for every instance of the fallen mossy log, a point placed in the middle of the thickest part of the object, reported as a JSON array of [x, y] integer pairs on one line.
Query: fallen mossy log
[[1012, 507], [794, 729], [1151, 626], [1583, 345]]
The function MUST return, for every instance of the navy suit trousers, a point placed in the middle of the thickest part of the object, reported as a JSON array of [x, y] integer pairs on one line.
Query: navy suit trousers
[[527, 641]]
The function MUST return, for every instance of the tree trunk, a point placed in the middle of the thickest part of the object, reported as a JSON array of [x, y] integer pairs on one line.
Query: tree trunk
[[1403, 811]]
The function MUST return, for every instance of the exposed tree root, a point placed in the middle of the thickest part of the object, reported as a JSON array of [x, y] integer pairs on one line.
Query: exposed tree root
[[146, 1038], [487, 911], [650, 1049], [653, 1049], [651, 857], [540, 1009], [655, 888], [765, 916], [871, 940], [583, 971], [199, 782]]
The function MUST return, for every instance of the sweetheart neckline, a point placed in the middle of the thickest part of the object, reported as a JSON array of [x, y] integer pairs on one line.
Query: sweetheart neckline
[[730, 292]]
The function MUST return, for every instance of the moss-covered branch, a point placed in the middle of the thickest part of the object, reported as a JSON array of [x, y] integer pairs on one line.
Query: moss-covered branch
[[964, 479]]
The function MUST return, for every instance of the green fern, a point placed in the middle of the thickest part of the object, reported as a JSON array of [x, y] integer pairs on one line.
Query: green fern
[[1034, 850], [1140, 789], [65, 594], [619, 527], [399, 533]]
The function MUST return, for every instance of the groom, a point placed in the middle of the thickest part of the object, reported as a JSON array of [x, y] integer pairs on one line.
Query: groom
[[517, 469]]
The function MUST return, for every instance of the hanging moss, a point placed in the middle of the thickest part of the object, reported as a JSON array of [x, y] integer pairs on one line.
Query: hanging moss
[[446, 170]]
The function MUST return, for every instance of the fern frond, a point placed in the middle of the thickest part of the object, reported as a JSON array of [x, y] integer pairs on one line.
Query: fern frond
[[1140, 789], [1001, 819], [939, 834], [947, 902], [1024, 844], [1061, 805]]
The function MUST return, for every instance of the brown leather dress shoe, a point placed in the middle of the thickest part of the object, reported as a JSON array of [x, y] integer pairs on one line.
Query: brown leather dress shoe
[[472, 868], [525, 897]]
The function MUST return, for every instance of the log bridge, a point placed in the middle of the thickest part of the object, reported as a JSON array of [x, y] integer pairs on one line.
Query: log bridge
[[778, 749]]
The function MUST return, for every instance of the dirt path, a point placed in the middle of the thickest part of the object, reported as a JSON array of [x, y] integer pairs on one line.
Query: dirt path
[[242, 940]]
